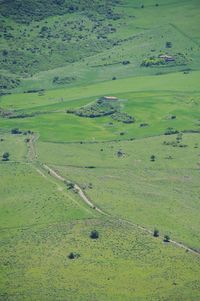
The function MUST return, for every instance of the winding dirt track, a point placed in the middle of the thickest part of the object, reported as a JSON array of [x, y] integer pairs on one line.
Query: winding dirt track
[[32, 157], [77, 188]]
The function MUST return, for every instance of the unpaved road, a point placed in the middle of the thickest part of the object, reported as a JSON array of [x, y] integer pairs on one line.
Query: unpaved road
[[77, 188]]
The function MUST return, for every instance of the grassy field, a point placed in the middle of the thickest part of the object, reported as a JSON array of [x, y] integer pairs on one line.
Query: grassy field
[[41, 223], [149, 99], [162, 194], [62, 57], [124, 263]]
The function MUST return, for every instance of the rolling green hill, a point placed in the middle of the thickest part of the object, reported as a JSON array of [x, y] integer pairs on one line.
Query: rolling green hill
[[94, 42], [99, 133]]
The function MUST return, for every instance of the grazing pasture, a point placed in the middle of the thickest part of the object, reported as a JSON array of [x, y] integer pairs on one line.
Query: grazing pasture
[[99, 201], [162, 194]]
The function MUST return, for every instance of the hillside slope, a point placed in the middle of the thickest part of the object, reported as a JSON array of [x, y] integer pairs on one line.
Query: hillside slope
[[78, 42]]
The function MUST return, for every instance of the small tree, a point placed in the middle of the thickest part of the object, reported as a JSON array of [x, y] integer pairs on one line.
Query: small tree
[[5, 52], [153, 158], [94, 234], [166, 238], [168, 45], [5, 156], [156, 233], [15, 131], [73, 255], [70, 185]]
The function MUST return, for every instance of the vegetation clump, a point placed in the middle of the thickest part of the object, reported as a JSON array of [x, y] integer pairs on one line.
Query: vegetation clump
[[166, 238], [63, 80], [165, 59], [120, 153], [153, 61], [142, 125], [70, 185], [104, 107], [171, 131], [8, 82], [16, 131], [73, 255], [153, 158], [156, 233], [123, 117], [5, 156], [94, 234]]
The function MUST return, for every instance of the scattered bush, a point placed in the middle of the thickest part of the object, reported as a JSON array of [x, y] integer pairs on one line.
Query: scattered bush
[[166, 238], [120, 153], [153, 158], [73, 255], [15, 131], [94, 234], [5, 52], [126, 62], [171, 131], [5, 156], [144, 125], [70, 185], [123, 117], [153, 61], [168, 45], [63, 80], [156, 233]]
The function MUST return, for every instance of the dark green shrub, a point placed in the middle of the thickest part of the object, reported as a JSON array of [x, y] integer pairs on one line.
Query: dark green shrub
[[168, 45], [166, 238], [171, 131], [15, 131], [5, 156], [94, 234], [73, 255], [156, 233]]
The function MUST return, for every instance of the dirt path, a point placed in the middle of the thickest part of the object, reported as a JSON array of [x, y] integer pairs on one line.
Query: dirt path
[[77, 188], [178, 244], [33, 156]]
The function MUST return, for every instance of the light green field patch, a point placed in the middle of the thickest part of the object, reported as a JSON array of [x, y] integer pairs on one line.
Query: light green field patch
[[28, 198], [170, 82], [14, 145], [154, 109]]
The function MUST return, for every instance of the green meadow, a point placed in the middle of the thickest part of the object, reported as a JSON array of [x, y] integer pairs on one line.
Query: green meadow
[[60, 58]]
